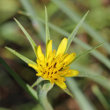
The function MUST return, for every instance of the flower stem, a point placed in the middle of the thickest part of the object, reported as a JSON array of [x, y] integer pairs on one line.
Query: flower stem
[[44, 101]]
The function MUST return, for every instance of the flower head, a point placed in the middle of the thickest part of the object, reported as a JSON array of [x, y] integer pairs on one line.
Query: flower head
[[54, 66]]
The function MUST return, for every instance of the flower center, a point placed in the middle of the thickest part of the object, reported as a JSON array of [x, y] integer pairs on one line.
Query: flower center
[[52, 67]]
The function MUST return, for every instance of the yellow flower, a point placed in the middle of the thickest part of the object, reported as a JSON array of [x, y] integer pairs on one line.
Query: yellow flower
[[54, 66]]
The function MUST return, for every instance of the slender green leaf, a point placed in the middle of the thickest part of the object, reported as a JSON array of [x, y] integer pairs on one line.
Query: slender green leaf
[[95, 53], [104, 82], [27, 5], [27, 35], [38, 81], [25, 86], [88, 51], [46, 26], [82, 100], [100, 96], [26, 60], [67, 91], [75, 17], [93, 75], [74, 32]]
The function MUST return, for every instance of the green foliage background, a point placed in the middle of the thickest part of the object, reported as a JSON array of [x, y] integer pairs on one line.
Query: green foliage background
[[91, 88]]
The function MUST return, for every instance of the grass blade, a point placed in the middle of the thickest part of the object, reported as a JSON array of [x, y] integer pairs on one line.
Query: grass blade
[[27, 36], [88, 73], [83, 102], [74, 32], [27, 5], [100, 96], [74, 16], [95, 53], [37, 82], [25, 86], [26, 60], [46, 26], [88, 51]]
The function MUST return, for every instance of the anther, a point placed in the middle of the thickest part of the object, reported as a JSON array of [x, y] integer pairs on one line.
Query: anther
[[55, 72], [46, 64], [55, 79], [60, 69], [55, 64]]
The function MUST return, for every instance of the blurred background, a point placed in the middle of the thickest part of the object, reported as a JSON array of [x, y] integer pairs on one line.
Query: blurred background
[[63, 16]]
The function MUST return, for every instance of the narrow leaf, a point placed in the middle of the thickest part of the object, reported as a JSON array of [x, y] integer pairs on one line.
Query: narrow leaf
[[67, 91], [88, 73], [103, 81], [29, 8], [38, 81], [82, 100], [26, 60], [25, 86], [46, 26], [33, 44], [74, 32], [98, 93], [88, 51]]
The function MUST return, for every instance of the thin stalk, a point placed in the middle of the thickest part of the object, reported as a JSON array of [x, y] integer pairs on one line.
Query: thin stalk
[[25, 86], [82, 100], [44, 100]]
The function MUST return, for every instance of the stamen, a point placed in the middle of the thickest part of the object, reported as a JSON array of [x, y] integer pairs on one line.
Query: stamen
[[55, 72], [55, 65], [46, 64], [50, 67], [55, 79], [60, 69]]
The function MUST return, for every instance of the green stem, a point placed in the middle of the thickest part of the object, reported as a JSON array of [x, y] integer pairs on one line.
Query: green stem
[[44, 101]]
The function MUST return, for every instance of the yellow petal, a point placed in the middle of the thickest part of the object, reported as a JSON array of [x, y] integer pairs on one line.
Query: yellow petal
[[61, 84], [69, 58], [40, 55], [72, 73], [49, 48], [33, 66], [59, 81], [62, 47], [39, 74]]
